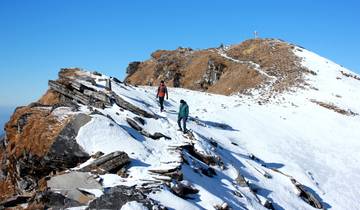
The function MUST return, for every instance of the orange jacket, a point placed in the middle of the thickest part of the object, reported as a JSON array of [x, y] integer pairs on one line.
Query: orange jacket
[[162, 90]]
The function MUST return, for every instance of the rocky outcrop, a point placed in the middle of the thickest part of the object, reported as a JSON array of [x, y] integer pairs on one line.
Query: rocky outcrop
[[255, 63], [33, 150], [116, 197], [132, 67], [110, 163]]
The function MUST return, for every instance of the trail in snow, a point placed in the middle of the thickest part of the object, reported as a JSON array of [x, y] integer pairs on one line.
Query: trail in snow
[[252, 64], [316, 146]]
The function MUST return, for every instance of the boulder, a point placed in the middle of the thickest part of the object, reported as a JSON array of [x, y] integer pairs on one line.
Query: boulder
[[116, 197], [111, 163], [70, 185], [132, 67], [130, 107], [183, 188]]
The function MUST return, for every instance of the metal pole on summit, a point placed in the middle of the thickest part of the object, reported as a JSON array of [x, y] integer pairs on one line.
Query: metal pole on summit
[[255, 34]]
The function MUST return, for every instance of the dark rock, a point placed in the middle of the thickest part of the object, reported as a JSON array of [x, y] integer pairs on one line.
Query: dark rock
[[65, 152], [130, 107], [140, 120], [212, 74], [96, 112], [81, 93], [176, 80], [97, 73], [111, 163], [209, 160], [158, 135], [210, 172], [116, 80], [97, 155], [306, 195], [116, 197], [183, 188], [74, 107], [133, 124], [56, 200], [269, 205], [22, 121], [14, 201], [132, 67]]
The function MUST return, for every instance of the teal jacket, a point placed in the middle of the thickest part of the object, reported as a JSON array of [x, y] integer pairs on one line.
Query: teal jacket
[[184, 110]]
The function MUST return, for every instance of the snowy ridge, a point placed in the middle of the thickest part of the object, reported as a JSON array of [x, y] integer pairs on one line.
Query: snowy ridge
[[260, 153]]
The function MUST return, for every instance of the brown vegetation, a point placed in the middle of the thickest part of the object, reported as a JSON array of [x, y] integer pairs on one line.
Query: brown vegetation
[[350, 75], [207, 70], [334, 108]]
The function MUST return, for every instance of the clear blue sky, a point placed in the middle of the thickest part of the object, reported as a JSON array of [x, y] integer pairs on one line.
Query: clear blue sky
[[38, 37]]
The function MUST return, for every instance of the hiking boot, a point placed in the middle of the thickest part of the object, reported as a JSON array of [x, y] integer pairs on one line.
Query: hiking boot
[[179, 129]]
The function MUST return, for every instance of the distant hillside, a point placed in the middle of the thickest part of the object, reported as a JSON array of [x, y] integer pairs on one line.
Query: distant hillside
[[252, 64]]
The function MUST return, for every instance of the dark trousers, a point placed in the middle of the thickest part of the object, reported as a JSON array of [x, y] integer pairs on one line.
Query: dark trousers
[[161, 101], [184, 119]]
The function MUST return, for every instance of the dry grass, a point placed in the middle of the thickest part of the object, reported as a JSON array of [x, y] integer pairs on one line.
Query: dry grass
[[275, 57], [50, 98], [37, 135], [334, 108]]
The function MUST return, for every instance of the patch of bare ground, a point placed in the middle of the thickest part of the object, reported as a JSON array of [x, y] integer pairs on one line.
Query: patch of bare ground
[[350, 75], [208, 70], [334, 108], [276, 58]]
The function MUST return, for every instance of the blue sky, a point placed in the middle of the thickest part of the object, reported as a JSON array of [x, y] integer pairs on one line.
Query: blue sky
[[38, 37]]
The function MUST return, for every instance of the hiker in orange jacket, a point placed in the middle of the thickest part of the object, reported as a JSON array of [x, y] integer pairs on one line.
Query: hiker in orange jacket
[[161, 92]]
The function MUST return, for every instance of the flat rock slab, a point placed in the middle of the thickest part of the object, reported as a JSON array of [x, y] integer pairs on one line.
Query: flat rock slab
[[69, 185], [111, 162]]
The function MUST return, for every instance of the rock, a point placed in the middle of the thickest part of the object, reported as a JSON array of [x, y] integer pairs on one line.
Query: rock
[[74, 107], [306, 195], [241, 180], [210, 172], [97, 155], [133, 124], [70, 183], [65, 152], [132, 67], [81, 93], [111, 162], [14, 201], [223, 206], [183, 188], [22, 121], [54, 200], [140, 120], [213, 72], [116, 80], [158, 135], [96, 73], [130, 107], [116, 197]]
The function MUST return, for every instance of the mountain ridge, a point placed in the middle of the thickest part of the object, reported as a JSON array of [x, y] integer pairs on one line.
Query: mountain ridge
[[251, 150]]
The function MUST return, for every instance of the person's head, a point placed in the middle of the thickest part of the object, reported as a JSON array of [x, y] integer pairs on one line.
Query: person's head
[[182, 101], [162, 82]]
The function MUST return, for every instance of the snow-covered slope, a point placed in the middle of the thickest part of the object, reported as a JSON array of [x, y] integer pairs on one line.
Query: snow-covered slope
[[292, 137]]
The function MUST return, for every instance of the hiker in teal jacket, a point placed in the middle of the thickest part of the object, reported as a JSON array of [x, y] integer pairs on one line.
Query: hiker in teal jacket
[[183, 115]]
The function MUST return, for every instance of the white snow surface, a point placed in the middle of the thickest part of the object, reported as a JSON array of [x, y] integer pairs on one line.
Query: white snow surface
[[133, 205], [317, 146]]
